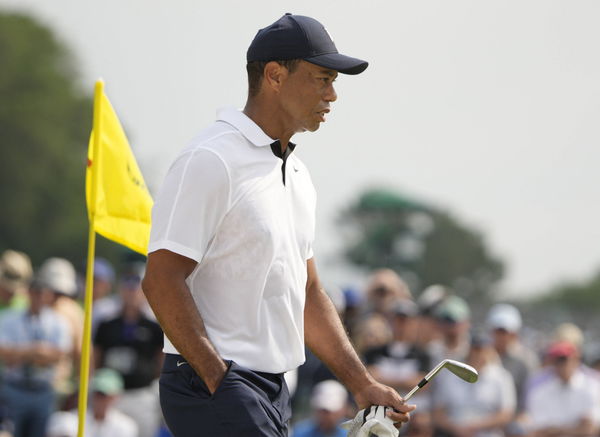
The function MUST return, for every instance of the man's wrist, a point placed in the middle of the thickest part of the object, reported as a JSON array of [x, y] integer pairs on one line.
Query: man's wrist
[[213, 375], [357, 386]]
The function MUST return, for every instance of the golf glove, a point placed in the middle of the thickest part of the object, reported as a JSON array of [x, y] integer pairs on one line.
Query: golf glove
[[371, 422]]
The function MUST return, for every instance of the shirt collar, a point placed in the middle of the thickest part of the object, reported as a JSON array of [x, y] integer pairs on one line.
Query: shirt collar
[[245, 125]]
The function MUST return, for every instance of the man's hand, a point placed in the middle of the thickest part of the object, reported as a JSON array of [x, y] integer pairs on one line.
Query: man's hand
[[371, 422], [214, 379], [379, 394]]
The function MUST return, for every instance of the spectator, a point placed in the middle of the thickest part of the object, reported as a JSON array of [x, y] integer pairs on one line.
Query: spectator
[[384, 290], [429, 337], [32, 342], [58, 275], [15, 275], [329, 402], [563, 399], [131, 344], [453, 316], [373, 331], [399, 363], [504, 322], [103, 419], [482, 409], [402, 363]]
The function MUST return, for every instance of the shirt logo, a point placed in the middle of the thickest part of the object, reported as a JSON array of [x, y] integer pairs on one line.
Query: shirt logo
[[181, 363]]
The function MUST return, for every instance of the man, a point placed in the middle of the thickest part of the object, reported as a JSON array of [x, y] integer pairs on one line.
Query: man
[[59, 276], [504, 322], [15, 275], [329, 404], [385, 289], [429, 331], [103, 418], [400, 363], [454, 321], [131, 344], [32, 343], [231, 275], [106, 305], [482, 409], [576, 387]]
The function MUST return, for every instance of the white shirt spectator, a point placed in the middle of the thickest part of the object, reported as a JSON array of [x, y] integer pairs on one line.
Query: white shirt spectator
[[551, 402], [116, 424], [466, 403]]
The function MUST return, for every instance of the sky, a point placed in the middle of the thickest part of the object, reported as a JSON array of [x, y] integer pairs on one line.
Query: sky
[[488, 109]]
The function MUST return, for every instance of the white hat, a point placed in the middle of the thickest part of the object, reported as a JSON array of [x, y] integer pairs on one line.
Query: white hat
[[504, 316], [59, 275], [329, 395]]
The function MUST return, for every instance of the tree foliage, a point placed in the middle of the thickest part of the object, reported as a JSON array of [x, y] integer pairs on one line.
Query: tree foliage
[[424, 244], [44, 126], [581, 296]]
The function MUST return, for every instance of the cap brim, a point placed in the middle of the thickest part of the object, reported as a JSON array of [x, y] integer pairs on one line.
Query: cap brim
[[338, 62]]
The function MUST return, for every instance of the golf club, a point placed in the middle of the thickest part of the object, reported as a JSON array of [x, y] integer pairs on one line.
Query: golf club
[[462, 370]]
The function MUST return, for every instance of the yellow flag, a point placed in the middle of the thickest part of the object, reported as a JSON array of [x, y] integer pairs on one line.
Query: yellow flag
[[118, 200]]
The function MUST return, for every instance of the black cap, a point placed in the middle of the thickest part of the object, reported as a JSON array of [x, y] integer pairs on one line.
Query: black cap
[[300, 37]]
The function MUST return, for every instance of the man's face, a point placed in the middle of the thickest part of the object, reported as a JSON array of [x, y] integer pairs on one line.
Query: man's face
[[565, 367], [102, 403], [305, 96], [328, 420], [502, 339], [132, 295], [404, 327]]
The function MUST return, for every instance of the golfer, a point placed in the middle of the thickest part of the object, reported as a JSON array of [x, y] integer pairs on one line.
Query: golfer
[[231, 274]]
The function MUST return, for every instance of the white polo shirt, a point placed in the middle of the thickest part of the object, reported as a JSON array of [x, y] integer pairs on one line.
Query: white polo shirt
[[224, 205]]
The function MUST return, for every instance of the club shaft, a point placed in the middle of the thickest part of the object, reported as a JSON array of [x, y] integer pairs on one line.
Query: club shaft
[[424, 381]]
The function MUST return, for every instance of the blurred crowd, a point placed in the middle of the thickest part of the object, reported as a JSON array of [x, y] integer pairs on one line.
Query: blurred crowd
[[540, 389], [41, 331], [536, 390]]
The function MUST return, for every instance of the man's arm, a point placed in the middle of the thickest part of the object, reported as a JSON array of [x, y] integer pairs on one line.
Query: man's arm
[[325, 336], [40, 353], [170, 298]]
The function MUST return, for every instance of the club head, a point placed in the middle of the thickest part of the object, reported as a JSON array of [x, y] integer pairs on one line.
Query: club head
[[462, 370]]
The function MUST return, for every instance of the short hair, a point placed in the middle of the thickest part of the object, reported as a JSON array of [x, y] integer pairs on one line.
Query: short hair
[[256, 69]]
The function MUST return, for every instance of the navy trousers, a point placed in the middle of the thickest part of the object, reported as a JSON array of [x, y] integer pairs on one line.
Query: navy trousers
[[246, 403]]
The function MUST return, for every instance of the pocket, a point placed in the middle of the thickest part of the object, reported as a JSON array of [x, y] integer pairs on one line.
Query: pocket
[[230, 364]]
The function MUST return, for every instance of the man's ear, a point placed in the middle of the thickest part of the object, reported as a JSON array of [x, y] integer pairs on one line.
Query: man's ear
[[273, 75]]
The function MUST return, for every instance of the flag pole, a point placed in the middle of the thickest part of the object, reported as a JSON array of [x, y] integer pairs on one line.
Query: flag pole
[[84, 370]]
